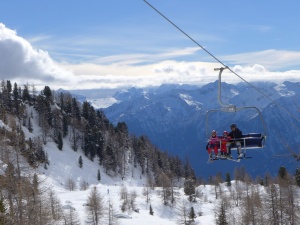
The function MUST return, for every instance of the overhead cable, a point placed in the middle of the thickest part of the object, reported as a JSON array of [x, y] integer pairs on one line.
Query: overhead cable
[[265, 95]]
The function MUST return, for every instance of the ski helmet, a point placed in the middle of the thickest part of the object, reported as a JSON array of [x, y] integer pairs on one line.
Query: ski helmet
[[214, 132]]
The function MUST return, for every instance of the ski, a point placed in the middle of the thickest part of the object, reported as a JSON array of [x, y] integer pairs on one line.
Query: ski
[[210, 161], [246, 157], [235, 160]]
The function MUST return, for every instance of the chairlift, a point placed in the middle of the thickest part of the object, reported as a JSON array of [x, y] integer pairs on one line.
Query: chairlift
[[250, 140]]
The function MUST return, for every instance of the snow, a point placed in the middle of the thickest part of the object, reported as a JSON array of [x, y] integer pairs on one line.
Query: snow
[[189, 100], [283, 91], [64, 166], [102, 102], [4, 126]]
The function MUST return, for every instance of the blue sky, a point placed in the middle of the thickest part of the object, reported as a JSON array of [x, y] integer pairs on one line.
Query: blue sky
[[116, 44]]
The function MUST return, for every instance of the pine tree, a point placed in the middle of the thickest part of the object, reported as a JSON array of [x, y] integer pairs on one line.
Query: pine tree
[[2, 212], [65, 125], [297, 177], [98, 175], [282, 173], [124, 206], [221, 220], [80, 161], [151, 211], [16, 99], [59, 141], [35, 183], [25, 94], [8, 86], [30, 125], [189, 187], [228, 179], [192, 214], [47, 92]]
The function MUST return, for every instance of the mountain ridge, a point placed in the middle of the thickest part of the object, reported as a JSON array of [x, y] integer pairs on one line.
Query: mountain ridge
[[176, 124]]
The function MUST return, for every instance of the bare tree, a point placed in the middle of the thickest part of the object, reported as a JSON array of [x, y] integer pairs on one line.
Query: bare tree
[[74, 139], [288, 198], [272, 201], [164, 182], [251, 206], [216, 183], [240, 173], [95, 207], [112, 220], [236, 192], [84, 185], [70, 184], [182, 211], [54, 205], [71, 217], [292, 200], [132, 201]]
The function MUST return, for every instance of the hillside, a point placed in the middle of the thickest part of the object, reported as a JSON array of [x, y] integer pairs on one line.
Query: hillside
[[238, 198], [71, 146]]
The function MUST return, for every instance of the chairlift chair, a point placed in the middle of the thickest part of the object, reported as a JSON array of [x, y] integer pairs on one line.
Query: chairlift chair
[[250, 140]]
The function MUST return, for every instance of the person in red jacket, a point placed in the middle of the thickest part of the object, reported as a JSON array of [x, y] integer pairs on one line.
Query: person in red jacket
[[224, 141], [213, 144]]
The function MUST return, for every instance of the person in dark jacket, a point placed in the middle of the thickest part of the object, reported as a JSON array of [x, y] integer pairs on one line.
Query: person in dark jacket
[[235, 133]]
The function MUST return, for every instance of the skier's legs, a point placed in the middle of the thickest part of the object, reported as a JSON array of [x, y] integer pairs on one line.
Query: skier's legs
[[209, 149], [239, 147], [223, 149], [228, 146], [216, 149]]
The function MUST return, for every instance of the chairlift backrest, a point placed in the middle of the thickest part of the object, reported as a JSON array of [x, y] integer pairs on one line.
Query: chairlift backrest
[[251, 140]]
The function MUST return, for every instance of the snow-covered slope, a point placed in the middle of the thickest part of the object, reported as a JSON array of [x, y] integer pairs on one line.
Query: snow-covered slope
[[64, 167]]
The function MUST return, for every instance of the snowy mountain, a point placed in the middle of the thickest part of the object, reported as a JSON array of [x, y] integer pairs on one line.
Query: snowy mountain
[[174, 118]]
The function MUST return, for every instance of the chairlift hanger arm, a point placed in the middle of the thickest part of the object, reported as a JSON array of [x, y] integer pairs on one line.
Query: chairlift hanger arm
[[260, 116], [231, 108]]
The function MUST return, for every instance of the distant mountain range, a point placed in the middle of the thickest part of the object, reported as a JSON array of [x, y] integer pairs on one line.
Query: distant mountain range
[[175, 119]]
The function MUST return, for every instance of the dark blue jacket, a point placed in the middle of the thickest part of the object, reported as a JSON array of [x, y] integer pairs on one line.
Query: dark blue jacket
[[236, 133]]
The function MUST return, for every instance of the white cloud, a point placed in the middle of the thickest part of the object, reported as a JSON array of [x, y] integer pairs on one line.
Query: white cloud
[[21, 63], [271, 59], [121, 75]]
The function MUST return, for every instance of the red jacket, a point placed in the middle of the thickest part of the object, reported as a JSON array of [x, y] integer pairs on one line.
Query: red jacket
[[225, 139], [213, 140]]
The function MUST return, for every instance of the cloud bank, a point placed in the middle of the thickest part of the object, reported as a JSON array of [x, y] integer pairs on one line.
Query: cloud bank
[[20, 62]]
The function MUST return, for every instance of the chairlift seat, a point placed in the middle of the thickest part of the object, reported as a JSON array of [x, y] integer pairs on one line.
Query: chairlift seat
[[251, 140]]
